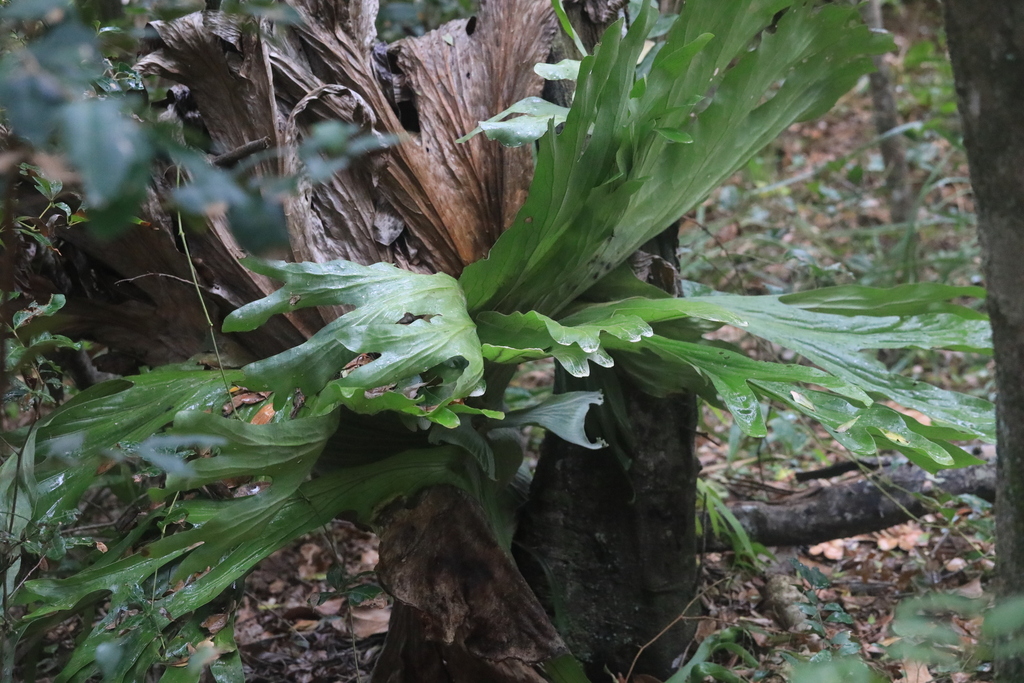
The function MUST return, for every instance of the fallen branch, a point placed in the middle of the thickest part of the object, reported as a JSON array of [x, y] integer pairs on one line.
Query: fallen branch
[[856, 508]]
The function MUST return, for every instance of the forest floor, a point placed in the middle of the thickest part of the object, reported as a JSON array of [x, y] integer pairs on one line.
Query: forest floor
[[284, 635]]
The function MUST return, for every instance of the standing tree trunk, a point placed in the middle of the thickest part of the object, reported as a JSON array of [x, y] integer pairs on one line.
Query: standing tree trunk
[[897, 178], [986, 44], [615, 548]]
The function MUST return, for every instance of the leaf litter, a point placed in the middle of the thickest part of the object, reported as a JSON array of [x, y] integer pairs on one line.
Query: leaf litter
[[284, 635]]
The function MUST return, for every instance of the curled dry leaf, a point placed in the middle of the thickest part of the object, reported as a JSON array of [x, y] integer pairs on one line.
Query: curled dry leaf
[[427, 203], [833, 550], [215, 622], [368, 621], [306, 625], [240, 396]]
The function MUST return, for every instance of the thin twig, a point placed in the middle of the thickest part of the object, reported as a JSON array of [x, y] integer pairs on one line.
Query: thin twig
[[352, 633], [733, 260], [202, 302], [166, 275], [682, 617], [28, 575]]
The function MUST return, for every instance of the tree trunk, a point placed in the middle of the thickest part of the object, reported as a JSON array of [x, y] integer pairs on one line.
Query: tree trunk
[[897, 178], [463, 613], [613, 551], [986, 44]]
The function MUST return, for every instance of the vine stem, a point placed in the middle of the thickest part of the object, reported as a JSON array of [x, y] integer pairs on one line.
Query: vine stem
[[202, 301]]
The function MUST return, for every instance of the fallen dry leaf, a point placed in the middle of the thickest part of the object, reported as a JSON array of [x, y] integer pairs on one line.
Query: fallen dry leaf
[[886, 542], [370, 621], [955, 564], [264, 415], [215, 622], [330, 607], [971, 589], [909, 412], [833, 550], [705, 627], [916, 672], [241, 396], [306, 625]]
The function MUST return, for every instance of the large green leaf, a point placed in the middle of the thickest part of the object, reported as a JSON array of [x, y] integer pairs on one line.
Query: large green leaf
[[282, 453], [908, 299], [617, 174], [572, 174], [359, 490], [113, 418], [417, 323], [17, 501], [865, 431], [443, 412], [731, 373], [575, 340], [122, 643], [835, 342], [535, 117], [830, 327], [514, 337]]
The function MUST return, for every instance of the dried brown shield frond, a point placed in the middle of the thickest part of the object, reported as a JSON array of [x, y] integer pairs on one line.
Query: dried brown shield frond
[[428, 203]]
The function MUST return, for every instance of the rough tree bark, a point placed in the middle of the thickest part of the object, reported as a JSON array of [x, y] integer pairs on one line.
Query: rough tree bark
[[986, 44], [613, 551], [463, 612], [855, 508]]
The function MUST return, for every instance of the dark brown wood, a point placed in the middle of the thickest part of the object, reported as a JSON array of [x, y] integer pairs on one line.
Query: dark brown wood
[[464, 613], [986, 45], [426, 204], [855, 508], [613, 550]]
